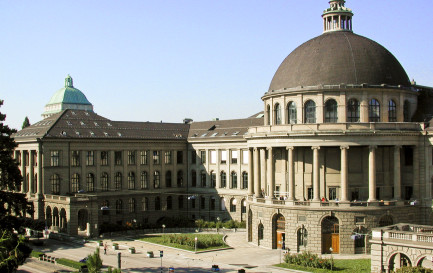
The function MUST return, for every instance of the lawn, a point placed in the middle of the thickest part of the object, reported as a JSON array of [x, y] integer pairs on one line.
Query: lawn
[[187, 241], [341, 266]]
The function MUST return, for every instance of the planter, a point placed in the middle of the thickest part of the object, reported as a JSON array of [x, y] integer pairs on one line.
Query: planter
[[132, 250], [115, 246], [149, 254], [100, 243]]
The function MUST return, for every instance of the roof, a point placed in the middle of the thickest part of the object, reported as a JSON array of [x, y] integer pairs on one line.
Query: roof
[[339, 57], [69, 94]]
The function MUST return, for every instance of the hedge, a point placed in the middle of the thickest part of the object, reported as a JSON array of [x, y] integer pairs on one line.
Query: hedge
[[36, 254], [70, 263]]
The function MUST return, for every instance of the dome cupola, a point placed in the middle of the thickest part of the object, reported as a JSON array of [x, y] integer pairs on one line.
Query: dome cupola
[[337, 17]]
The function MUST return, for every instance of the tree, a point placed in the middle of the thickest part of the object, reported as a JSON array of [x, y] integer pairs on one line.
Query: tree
[[13, 249], [26, 123], [94, 262]]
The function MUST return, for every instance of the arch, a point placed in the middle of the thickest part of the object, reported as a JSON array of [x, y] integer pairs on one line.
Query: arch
[[423, 261], [268, 115], [104, 181], [310, 112], [277, 114], [48, 217], [392, 111], [168, 179], [292, 113], [63, 219], [233, 180], [90, 182], [386, 220], [373, 111], [83, 219], [278, 231], [118, 181], [330, 235], [75, 182], [180, 179], [233, 203], [260, 232], [331, 111], [302, 239], [398, 260], [131, 181], [55, 184], [353, 112], [406, 111]]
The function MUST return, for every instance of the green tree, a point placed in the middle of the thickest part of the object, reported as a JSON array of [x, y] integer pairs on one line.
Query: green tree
[[26, 123], [14, 206], [94, 262]]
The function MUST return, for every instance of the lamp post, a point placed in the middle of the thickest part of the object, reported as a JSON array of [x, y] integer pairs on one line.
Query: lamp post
[[195, 244], [332, 261], [163, 227], [218, 224]]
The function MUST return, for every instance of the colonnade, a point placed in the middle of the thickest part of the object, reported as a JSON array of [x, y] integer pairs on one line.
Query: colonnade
[[262, 171], [31, 183]]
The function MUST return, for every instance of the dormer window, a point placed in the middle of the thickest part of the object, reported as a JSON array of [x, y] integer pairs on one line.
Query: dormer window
[[109, 124], [82, 123]]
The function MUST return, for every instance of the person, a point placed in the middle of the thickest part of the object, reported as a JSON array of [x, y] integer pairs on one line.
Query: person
[[105, 249], [323, 199]]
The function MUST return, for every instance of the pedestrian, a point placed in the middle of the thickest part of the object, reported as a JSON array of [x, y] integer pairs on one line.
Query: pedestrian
[[105, 249]]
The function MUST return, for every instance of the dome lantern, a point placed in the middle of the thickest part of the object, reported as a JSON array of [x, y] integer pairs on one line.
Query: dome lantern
[[337, 17], [69, 82]]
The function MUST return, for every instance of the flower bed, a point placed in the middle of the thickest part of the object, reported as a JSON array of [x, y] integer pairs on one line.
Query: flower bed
[[309, 259]]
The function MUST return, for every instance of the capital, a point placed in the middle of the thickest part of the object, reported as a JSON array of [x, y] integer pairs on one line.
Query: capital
[[269, 148], [372, 147], [290, 148], [344, 147], [315, 148]]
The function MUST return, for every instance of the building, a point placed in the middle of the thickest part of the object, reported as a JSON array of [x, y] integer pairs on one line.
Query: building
[[343, 146]]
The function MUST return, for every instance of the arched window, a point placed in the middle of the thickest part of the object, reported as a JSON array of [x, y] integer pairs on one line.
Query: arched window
[[203, 178], [212, 202], [212, 179], [119, 206], [234, 180], [131, 181], [144, 181], [373, 111], [302, 237], [331, 114], [244, 180], [55, 184], [156, 180], [179, 179], [353, 110], [277, 113], [406, 111], [157, 203], [292, 113], [244, 206], [105, 207], [168, 179], [90, 182], [169, 203], [131, 205], [145, 203], [392, 111], [118, 181], [310, 112], [193, 178], [233, 203], [180, 202], [104, 181], [268, 115], [261, 229], [223, 204], [75, 182], [223, 179]]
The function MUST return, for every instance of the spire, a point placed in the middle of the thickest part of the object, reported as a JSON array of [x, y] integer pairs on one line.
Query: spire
[[337, 17], [68, 81]]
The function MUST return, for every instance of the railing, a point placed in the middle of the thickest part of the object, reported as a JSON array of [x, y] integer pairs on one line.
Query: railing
[[400, 236], [261, 200], [302, 203]]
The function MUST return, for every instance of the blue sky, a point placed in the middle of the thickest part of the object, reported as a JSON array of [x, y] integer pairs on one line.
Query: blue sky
[[170, 59]]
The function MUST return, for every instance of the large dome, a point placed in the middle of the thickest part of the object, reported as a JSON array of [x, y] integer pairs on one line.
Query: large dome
[[339, 57]]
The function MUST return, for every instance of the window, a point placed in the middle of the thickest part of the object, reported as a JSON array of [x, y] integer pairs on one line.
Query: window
[[332, 194], [192, 203], [203, 178], [118, 181], [223, 179], [310, 112], [119, 206], [223, 204], [145, 203], [277, 113], [408, 156], [353, 110], [168, 179], [55, 184], [260, 231], [75, 158], [55, 157], [193, 157], [268, 115], [234, 157], [223, 157], [104, 181], [105, 206], [244, 180], [167, 157], [156, 180], [144, 182], [373, 111], [193, 178], [179, 179], [75, 182], [179, 157], [392, 111], [156, 159], [245, 156], [212, 179], [180, 202], [203, 156], [331, 115], [90, 182], [291, 113], [202, 202], [234, 180], [310, 193], [212, 203], [104, 158], [90, 158], [131, 205], [157, 203], [406, 111], [302, 237], [118, 158], [169, 203], [213, 157], [131, 181], [233, 203], [243, 206], [143, 158], [131, 157]]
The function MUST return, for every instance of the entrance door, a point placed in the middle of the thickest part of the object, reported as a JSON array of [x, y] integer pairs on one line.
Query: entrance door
[[335, 243], [281, 237]]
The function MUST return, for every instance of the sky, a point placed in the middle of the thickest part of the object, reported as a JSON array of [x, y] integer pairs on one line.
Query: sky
[[166, 60]]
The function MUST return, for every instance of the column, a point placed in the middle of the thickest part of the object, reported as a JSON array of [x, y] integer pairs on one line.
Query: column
[[416, 173], [270, 170], [283, 187], [344, 173], [217, 170], [23, 171], [316, 189], [39, 189], [31, 172], [263, 170], [250, 172], [291, 174], [372, 174], [397, 173], [257, 192]]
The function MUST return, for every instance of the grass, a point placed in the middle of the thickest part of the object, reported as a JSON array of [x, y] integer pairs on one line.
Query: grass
[[340, 266], [186, 241]]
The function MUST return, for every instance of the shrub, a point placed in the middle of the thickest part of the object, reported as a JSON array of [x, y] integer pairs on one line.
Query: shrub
[[413, 270], [94, 262], [309, 260], [70, 263], [36, 254]]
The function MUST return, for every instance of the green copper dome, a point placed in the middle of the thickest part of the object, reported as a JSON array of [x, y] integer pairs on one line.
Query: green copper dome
[[69, 95]]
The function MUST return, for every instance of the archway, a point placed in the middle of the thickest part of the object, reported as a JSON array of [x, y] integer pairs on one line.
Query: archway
[[330, 235], [48, 217], [83, 217], [250, 225], [399, 260], [278, 231], [56, 218], [425, 262], [260, 233], [63, 220]]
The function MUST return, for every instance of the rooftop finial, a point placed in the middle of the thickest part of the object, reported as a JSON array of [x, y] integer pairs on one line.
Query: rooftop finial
[[337, 17], [68, 81]]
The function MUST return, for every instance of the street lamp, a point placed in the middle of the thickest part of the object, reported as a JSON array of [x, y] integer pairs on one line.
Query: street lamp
[[218, 224], [163, 227], [195, 244], [332, 261]]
